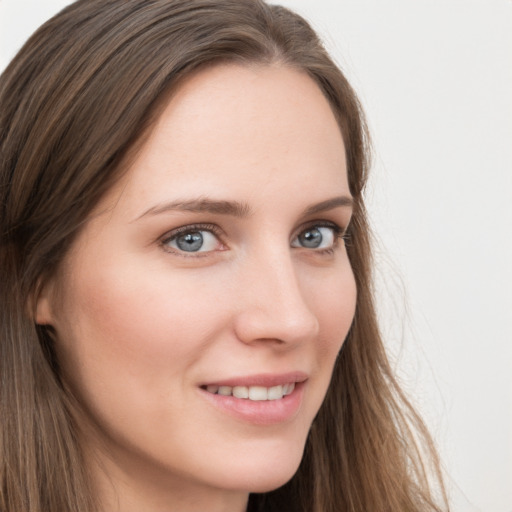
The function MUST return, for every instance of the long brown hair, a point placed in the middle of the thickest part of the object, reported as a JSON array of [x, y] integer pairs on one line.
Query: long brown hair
[[75, 103]]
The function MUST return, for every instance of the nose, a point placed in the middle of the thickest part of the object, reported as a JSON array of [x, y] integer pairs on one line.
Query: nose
[[273, 306]]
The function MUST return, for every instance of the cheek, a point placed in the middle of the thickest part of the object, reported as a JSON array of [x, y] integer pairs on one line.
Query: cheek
[[334, 304], [131, 331]]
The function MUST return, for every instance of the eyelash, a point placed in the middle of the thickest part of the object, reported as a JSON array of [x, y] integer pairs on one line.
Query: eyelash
[[190, 228], [339, 234]]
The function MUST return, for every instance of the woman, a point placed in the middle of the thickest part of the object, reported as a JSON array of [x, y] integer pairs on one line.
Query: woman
[[187, 318]]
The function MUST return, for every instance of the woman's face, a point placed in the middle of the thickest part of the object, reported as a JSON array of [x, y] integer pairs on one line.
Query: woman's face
[[216, 267]]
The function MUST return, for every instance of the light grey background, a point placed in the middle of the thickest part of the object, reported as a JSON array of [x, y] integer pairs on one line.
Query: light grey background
[[435, 77]]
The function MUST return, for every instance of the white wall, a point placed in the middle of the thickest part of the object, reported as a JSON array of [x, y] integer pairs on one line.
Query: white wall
[[435, 77]]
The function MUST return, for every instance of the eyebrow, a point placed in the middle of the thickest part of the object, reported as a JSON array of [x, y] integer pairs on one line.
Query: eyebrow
[[236, 208], [200, 205], [329, 204]]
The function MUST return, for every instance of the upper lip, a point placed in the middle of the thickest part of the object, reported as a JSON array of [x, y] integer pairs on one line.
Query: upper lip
[[262, 379]]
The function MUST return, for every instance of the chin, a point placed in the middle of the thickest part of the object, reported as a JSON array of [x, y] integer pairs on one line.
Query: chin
[[268, 474], [271, 483]]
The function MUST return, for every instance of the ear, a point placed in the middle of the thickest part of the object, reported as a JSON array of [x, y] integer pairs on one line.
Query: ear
[[41, 302]]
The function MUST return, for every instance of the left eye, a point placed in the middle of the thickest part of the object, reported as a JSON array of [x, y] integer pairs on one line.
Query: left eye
[[199, 240], [316, 237]]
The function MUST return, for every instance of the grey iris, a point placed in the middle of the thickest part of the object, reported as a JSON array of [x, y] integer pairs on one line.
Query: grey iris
[[312, 238], [190, 242]]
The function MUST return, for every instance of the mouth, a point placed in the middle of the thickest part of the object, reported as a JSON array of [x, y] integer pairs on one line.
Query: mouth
[[255, 393], [263, 399]]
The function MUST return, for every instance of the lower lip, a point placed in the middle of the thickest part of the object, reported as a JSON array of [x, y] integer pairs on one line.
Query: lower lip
[[259, 412]]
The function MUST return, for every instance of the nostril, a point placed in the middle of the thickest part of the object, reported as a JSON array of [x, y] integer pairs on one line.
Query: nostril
[[271, 305], [276, 325]]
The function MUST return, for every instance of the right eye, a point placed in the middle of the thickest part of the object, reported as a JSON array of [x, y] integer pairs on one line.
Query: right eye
[[192, 239]]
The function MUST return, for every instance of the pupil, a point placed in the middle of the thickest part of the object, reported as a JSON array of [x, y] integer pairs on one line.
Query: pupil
[[190, 242], [311, 238]]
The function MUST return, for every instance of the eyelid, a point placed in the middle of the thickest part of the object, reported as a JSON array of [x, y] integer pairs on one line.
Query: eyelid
[[338, 233], [192, 227], [338, 230], [173, 233]]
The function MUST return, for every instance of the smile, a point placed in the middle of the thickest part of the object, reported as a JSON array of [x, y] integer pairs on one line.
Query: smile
[[256, 393], [263, 399]]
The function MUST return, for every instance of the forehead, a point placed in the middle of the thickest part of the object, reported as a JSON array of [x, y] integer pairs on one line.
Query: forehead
[[232, 129]]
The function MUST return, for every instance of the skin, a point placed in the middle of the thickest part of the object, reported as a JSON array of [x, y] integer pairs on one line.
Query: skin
[[141, 325]]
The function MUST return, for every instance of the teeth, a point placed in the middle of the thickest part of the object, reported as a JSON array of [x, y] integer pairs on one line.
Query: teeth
[[256, 393], [289, 388], [225, 390], [275, 393], [241, 392]]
